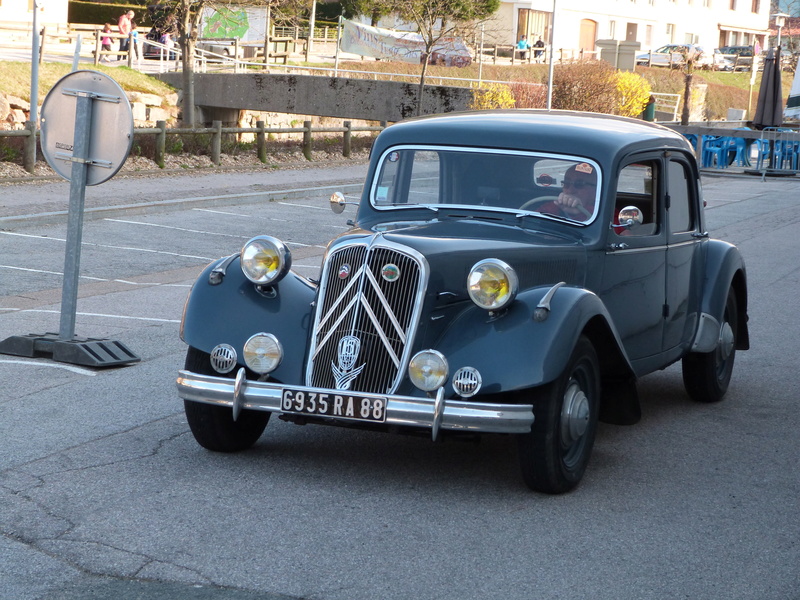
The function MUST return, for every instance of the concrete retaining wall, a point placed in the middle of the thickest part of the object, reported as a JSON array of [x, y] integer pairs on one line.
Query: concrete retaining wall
[[322, 96]]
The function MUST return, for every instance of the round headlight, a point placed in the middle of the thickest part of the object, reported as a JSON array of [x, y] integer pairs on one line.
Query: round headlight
[[263, 353], [428, 370], [492, 284], [265, 260]]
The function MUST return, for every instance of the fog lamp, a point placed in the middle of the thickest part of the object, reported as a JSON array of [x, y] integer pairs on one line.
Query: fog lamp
[[265, 260], [428, 370], [263, 353], [492, 284]]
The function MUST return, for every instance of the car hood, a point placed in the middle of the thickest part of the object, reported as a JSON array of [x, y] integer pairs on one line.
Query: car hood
[[452, 247]]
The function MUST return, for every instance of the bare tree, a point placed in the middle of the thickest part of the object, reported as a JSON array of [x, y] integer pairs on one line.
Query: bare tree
[[188, 15], [690, 56], [374, 9], [438, 19]]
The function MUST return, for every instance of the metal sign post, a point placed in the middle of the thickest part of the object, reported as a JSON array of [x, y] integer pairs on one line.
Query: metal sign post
[[85, 155]]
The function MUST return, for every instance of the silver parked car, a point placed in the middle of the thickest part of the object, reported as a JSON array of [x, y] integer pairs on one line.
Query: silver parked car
[[675, 55]]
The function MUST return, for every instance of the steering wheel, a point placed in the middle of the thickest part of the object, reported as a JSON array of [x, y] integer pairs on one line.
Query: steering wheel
[[538, 200]]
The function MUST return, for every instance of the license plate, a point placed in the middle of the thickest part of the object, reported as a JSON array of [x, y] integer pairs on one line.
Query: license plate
[[340, 406]]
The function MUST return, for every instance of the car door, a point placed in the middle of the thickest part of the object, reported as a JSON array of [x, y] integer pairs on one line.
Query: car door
[[684, 248], [634, 274]]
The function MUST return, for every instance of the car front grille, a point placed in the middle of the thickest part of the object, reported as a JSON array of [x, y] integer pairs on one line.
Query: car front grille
[[367, 312]]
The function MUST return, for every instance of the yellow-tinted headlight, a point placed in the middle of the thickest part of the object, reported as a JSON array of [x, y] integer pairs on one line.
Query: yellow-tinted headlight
[[263, 353], [492, 284], [428, 370], [265, 260]]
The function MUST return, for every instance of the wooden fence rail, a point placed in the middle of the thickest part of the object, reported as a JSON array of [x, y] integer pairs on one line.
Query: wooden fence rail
[[216, 131]]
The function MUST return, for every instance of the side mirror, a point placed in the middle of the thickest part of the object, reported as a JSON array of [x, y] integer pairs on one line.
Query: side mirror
[[630, 218], [338, 202]]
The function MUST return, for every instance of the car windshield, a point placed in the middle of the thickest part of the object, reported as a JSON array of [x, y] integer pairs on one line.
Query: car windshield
[[545, 185]]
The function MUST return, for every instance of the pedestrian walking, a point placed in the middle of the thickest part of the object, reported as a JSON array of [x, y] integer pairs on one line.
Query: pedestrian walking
[[124, 27]]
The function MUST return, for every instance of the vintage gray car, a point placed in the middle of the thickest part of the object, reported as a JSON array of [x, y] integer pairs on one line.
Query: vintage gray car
[[508, 272]]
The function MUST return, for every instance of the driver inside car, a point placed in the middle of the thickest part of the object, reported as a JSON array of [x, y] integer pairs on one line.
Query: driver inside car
[[577, 199]]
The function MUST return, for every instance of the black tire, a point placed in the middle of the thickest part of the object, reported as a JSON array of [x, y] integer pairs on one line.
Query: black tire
[[213, 426], [706, 375], [554, 455]]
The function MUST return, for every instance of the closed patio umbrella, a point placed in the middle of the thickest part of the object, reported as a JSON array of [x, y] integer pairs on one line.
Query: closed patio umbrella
[[769, 109]]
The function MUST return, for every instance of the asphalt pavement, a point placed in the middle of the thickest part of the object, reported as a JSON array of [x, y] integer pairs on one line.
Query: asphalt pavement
[[105, 494], [47, 200]]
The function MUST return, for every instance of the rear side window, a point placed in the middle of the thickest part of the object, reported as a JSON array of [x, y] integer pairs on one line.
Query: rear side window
[[681, 218]]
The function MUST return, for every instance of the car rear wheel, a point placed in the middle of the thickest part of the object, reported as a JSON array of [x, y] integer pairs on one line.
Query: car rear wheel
[[213, 426], [554, 455], [706, 375]]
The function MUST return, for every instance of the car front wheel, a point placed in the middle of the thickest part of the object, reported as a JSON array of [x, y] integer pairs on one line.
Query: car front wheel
[[554, 455], [213, 426], [706, 375]]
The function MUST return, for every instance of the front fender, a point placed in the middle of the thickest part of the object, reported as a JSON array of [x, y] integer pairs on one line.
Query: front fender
[[514, 351], [234, 309]]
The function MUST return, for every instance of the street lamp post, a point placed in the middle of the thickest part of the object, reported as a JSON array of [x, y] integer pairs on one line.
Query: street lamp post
[[550, 65], [780, 20]]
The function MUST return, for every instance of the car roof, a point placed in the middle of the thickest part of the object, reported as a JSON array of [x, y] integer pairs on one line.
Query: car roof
[[592, 135]]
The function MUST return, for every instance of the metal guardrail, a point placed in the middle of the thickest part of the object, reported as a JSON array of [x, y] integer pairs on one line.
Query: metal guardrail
[[667, 103], [699, 135]]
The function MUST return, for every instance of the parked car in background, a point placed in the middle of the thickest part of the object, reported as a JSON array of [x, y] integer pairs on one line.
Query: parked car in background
[[742, 56], [674, 56], [507, 272]]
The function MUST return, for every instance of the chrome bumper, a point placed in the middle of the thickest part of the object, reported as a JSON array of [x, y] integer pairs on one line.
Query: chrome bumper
[[404, 411]]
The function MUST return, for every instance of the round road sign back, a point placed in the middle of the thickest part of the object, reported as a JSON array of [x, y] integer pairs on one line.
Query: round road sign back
[[111, 127]]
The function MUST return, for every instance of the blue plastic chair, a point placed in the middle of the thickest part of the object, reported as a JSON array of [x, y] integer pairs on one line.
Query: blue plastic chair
[[715, 152], [739, 145], [762, 148]]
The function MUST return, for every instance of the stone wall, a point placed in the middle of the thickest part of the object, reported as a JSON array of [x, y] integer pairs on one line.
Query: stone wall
[[147, 109], [14, 112], [312, 95]]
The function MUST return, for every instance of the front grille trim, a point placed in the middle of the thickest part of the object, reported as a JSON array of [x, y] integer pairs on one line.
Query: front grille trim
[[360, 297]]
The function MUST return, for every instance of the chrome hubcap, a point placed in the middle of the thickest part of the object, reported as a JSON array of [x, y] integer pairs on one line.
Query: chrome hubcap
[[726, 341], [574, 414]]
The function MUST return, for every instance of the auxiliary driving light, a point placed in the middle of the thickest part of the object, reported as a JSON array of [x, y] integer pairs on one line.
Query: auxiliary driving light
[[263, 353], [265, 260], [428, 370], [492, 284]]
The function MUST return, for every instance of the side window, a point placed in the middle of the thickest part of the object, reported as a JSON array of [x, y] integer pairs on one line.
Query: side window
[[637, 186], [680, 207]]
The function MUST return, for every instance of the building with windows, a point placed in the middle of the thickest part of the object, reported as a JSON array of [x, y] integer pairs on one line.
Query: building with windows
[[20, 12], [652, 23]]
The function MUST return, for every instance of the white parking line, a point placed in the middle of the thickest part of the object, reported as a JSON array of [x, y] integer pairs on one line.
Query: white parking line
[[85, 314], [95, 245], [187, 230], [243, 215], [197, 231], [52, 365], [303, 205], [90, 278]]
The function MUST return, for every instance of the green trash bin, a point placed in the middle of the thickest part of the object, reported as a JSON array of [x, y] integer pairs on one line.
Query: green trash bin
[[649, 112]]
